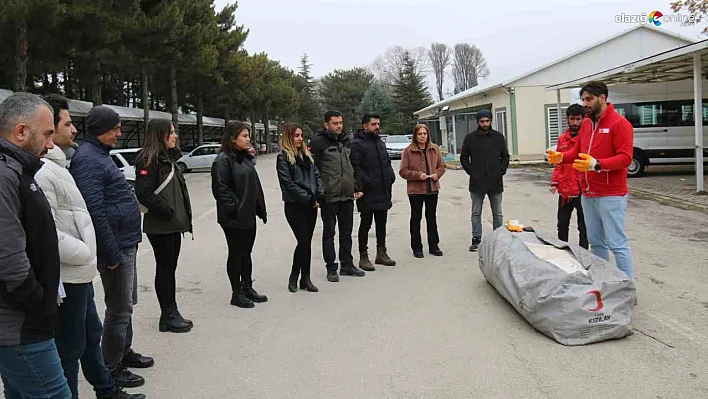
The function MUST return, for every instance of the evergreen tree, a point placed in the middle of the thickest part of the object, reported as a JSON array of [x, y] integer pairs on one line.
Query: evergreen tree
[[309, 112], [378, 99], [409, 92]]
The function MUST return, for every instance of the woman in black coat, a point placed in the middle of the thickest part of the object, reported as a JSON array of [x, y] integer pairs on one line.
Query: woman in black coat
[[162, 191], [302, 192], [239, 199]]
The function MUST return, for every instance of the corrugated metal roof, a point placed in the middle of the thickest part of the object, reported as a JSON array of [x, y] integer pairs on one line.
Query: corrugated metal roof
[[80, 109]]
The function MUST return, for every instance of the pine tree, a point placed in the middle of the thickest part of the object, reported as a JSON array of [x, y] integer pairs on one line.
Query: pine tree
[[409, 92], [378, 99], [309, 111]]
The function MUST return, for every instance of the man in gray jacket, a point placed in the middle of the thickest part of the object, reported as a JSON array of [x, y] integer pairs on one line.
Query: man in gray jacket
[[29, 255], [78, 335], [331, 152]]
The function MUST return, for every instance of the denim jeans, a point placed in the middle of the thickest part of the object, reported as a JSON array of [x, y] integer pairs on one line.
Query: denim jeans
[[33, 371], [78, 339], [495, 200], [121, 293], [604, 219]]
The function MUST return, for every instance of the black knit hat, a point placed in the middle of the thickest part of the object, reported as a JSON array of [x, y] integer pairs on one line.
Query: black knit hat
[[483, 114], [100, 120]]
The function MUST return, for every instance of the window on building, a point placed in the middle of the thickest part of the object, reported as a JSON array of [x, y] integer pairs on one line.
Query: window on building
[[553, 131], [500, 117]]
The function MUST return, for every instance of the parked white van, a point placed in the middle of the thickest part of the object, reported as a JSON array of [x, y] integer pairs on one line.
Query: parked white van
[[664, 132]]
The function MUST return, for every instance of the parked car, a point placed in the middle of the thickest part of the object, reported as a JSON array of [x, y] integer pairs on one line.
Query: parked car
[[395, 145], [202, 157], [125, 160], [199, 159]]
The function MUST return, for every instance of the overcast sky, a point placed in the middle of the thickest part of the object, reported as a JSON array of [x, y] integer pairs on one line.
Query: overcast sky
[[514, 36]]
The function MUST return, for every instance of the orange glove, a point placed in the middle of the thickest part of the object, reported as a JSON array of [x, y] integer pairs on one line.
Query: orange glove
[[585, 164], [554, 157]]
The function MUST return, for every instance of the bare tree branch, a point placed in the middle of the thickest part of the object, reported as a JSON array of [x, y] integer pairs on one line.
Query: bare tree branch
[[439, 55], [697, 10], [388, 66], [468, 66]]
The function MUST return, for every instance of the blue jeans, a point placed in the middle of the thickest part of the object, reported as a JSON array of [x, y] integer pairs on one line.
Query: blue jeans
[[120, 288], [78, 338], [604, 219], [33, 371], [495, 200]]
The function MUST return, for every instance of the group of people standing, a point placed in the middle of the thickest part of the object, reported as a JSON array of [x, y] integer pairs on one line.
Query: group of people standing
[[333, 174], [61, 224]]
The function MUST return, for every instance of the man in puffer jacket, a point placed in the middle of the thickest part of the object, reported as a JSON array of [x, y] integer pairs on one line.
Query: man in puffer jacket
[[566, 180], [602, 154], [78, 333], [373, 179], [116, 218]]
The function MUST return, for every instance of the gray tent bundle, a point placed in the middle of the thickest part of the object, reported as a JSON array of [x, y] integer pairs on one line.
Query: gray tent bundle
[[562, 290]]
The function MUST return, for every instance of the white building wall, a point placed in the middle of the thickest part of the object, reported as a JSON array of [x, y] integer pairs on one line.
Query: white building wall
[[633, 46], [531, 119]]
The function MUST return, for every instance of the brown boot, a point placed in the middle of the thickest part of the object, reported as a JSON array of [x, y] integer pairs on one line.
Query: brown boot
[[364, 262], [382, 257]]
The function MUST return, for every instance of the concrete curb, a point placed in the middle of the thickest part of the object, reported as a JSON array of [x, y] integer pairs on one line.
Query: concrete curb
[[668, 200]]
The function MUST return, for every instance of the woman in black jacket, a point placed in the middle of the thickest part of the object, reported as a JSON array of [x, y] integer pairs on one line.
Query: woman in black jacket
[[302, 193], [162, 192], [239, 199]]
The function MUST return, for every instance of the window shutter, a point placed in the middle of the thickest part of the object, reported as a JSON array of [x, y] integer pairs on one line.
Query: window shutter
[[553, 131]]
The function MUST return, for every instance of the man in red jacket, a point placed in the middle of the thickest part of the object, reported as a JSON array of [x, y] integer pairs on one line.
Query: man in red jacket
[[566, 180], [602, 154]]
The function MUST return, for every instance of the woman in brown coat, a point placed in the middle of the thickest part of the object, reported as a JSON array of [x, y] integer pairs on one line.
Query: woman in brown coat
[[422, 166]]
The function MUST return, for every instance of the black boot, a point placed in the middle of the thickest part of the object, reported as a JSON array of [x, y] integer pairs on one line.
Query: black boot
[[187, 321], [332, 275], [292, 281], [136, 360], [306, 283], [351, 271], [121, 394], [171, 321], [238, 298], [123, 378], [253, 294]]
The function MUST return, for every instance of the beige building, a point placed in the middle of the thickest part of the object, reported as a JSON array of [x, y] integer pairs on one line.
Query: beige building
[[524, 111]]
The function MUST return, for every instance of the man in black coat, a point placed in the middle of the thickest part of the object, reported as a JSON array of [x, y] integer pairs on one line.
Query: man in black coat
[[373, 179], [485, 158]]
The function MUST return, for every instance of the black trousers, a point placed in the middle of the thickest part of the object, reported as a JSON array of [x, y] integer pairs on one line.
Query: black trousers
[[431, 205], [239, 265], [341, 213], [166, 248], [367, 218], [565, 211], [302, 220]]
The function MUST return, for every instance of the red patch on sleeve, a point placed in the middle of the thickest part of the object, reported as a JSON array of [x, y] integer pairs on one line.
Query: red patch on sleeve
[[143, 172]]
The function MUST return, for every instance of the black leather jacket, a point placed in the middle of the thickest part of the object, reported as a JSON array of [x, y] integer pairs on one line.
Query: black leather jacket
[[301, 182], [237, 190]]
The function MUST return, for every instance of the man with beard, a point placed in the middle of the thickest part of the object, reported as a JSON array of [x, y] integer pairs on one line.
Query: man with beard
[[330, 150], [485, 158], [566, 180], [374, 177], [78, 333], [602, 154], [29, 255]]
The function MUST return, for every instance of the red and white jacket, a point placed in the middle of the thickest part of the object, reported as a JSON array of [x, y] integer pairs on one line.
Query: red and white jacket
[[611, 142], [566, 179]]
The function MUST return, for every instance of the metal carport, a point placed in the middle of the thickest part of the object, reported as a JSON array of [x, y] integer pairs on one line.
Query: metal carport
[[688, 62]]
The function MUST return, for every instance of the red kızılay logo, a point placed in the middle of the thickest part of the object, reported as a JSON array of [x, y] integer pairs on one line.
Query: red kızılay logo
[[598, 297]]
